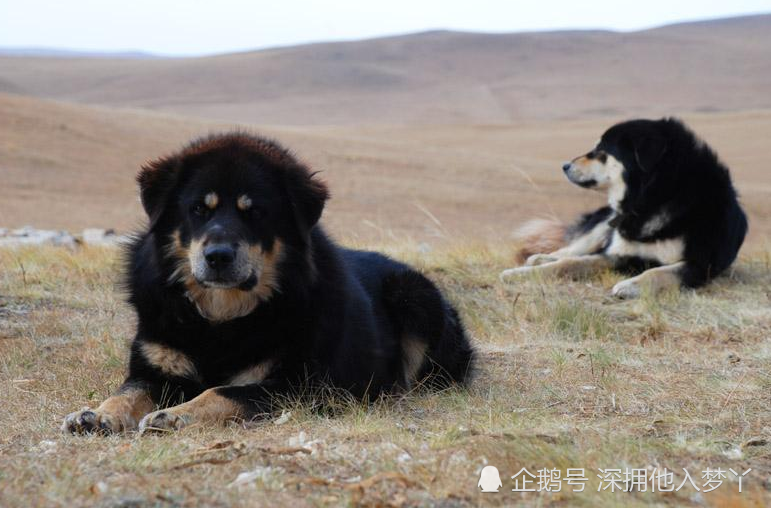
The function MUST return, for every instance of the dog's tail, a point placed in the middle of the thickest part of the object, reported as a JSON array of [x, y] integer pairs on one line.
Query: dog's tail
[[540, 236]]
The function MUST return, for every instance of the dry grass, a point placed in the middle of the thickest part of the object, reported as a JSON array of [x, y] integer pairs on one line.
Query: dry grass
[[568, 377]]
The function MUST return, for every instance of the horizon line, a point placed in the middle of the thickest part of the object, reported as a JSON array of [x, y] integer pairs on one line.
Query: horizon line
[[138, 54]]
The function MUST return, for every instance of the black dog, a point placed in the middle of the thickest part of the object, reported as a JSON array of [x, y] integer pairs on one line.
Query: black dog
[[672, 211], [242, 299]]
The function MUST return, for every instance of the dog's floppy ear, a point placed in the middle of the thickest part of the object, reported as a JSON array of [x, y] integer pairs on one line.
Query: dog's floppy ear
[[648, 150], [156, 180], [307, 196]]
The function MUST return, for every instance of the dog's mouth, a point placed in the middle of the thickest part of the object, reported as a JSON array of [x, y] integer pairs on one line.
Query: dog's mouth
[[586, 184], [218, 283], [574, 175]]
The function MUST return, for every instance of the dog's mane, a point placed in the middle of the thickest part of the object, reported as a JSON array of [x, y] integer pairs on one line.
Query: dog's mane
[[687, 180], [240, 140]]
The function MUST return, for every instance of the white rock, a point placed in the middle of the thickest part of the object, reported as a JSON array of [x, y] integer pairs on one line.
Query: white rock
[[263, 473], [97, 236], [46, 447], [734, 453], [285, 416], [298, 440], [31, 236], [28, 235]]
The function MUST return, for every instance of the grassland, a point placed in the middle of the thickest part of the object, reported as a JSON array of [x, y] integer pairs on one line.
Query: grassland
[[568, 377], [436, 146]]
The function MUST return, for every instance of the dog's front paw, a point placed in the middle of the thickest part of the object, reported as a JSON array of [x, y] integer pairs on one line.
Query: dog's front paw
[[540, 259], [513, 273], [90, 421], [161, 421], [627, 289]]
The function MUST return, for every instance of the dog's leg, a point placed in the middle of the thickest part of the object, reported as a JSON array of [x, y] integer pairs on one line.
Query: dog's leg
[[218, 405], [209, 407], [158, 376], [118, 413], [566, 267], [580, 247], [586, 244], [435, 350], [655, 280]]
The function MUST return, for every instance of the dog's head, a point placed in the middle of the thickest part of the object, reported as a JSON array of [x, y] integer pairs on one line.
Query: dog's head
[[226, 208], [627, 154]]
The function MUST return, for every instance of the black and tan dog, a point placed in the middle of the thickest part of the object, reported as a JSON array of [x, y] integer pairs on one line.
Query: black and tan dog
[[672, 212], [243, 300]]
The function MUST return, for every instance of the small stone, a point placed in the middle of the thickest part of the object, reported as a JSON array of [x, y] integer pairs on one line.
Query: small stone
[[285, 416], [31, 236], [97, 236], [755, 441]]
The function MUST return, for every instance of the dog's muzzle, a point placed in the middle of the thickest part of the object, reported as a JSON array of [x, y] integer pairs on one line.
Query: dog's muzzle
[[224, 266], [570, 172]]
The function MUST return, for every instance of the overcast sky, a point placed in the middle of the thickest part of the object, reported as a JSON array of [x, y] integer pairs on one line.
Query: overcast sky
[[192, 27]]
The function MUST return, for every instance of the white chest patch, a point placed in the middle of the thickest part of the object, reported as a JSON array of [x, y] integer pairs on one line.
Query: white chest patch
[[665, 252], [616, 193], [616, 183]]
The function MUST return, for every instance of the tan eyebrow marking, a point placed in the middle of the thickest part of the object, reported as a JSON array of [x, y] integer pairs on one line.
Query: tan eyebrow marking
[[211, 200], [244, 202]]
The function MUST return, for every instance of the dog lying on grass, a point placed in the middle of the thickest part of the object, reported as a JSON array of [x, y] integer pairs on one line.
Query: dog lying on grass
[[673, 217], [243, 300]]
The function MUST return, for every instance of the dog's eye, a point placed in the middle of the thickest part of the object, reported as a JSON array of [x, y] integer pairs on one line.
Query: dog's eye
[[200, 209]]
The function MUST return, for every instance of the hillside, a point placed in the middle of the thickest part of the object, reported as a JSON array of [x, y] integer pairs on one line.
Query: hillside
[[73, 166], [63, 165], [434, 77]]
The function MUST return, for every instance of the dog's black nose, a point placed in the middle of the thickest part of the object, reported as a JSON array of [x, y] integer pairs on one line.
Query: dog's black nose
[[219, 255], [566, 167]]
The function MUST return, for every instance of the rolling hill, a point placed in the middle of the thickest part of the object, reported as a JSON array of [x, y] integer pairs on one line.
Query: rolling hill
[[434, 77], [431, 136], [73, 166]]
